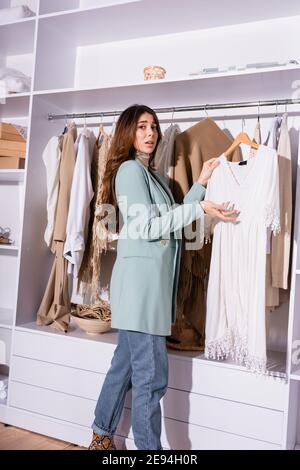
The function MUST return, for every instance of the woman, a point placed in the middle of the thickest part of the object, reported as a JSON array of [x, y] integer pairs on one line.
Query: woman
[[145, 276]]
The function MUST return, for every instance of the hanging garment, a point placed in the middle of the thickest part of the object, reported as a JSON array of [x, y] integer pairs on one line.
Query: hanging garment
[[80, 199], [55, 306], [193, 147], [280, 256], [79, 210], [273, 134], [164, 156], [66, 172], [256, 139], [51, 158], [235, 321], [272, 293], [89, 274]]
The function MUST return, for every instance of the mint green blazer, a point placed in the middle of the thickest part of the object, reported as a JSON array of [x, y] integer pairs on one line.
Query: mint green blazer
[[144, 279]]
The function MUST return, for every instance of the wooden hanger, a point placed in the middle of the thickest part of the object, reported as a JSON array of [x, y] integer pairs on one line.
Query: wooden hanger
[[241, 138]]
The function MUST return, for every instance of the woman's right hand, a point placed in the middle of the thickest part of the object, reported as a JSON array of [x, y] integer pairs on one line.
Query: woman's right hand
[[207, 170], [222, 211]]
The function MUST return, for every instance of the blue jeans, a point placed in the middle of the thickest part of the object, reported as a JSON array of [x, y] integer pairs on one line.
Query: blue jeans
[[140, 362]]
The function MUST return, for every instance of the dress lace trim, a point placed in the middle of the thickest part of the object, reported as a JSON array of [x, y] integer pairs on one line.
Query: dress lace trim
[[233, 345], [272, 219]]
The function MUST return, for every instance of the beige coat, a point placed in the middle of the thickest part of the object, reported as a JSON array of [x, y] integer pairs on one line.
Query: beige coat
[[55, 306], [281, 243]]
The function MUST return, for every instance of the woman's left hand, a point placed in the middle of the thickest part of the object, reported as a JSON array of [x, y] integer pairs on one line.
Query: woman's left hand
[[225, 212], [208, 168]]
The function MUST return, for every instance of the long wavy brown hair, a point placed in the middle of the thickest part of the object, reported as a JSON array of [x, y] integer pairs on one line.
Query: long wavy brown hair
[[122, 149]]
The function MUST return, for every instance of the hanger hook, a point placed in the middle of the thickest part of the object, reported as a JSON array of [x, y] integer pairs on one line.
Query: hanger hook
[[276, 111], [205, 110], [172, 118], [285, 107], [243, 124], [258, 111]]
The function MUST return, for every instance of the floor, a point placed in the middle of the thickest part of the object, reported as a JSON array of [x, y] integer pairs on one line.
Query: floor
[[18, 439]]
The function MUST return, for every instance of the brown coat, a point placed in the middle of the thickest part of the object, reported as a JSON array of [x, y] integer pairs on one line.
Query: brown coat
[[193, 147]]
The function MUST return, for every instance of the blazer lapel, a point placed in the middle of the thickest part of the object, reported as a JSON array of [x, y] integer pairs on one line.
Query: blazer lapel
[[157, 180], [164, 188]]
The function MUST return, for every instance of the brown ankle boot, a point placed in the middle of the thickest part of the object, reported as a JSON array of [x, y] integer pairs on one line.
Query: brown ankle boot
[[102, 442]]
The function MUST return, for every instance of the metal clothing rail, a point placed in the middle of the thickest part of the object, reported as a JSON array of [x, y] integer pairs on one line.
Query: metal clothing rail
[[176, 109]]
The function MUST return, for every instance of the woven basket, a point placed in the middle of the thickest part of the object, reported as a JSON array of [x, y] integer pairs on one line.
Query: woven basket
[[94, 318], [154, 72], [92, 326]]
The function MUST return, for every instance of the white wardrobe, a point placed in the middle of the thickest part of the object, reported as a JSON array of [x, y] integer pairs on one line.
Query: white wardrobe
[[88, 56]]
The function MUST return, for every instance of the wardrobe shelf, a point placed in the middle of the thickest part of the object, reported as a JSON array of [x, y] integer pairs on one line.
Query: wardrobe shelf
[[17, 95], [8, 248], [6, 318], [107, 21], [10, 176], [288, 69], [14, 106], [49, 13], [6, 327], [74, 333], [217, 88], [17, 22]]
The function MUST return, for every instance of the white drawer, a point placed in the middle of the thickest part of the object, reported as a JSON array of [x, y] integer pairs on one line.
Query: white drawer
[[208, 378], [175, 434], [66, 350], [208, 412], [52, 404], [188, 374], [81, 383], [228, 416], [183, 436]]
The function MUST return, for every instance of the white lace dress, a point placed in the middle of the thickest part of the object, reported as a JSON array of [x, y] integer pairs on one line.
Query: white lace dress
[[235, 322]]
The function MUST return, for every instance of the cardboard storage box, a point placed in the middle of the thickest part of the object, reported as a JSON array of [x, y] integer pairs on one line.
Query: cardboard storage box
[[9, 148], [9, 132], [12, 163]]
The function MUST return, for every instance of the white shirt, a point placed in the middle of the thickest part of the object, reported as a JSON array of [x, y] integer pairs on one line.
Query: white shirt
[[81, 195]]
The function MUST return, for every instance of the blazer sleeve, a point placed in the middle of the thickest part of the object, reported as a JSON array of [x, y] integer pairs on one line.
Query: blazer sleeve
[[137, 209]]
